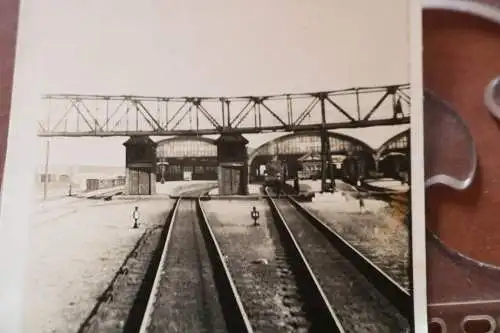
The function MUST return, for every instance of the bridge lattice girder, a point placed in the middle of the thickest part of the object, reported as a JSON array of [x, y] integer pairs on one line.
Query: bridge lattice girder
[[105, 115]]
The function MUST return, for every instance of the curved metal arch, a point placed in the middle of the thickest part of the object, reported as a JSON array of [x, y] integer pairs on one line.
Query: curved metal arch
[[162, 143], [392, 153], [393, 139], [186, 138], [285, 137]]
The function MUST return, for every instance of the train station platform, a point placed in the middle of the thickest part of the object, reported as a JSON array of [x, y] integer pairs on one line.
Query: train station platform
[[75, 249], [56, 201], [387, 184], [178, 187], [253, 189], [98, 194], [54, 192], [315, 185]]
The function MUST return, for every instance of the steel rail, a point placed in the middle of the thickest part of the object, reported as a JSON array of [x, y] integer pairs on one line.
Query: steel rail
[[234, 314], [146, 320], [233, 310], [328, 320], [386, 285]]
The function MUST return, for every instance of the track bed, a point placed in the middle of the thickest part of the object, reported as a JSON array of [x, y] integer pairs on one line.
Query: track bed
[[187, 298], [261, 269], [359, 306]]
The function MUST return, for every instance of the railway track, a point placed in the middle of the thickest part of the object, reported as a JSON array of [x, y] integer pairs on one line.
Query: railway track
[[323, 288], [398, 268], [364, 298], [278, 290], [192, 289], [399, 271]]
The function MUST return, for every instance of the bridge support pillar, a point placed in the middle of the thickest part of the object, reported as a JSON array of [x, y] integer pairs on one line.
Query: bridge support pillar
[[232, 159], [325, 161], [140, 162]]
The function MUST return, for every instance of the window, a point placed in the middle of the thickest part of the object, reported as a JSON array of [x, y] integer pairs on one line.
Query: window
[[174, 169], [210, 169]]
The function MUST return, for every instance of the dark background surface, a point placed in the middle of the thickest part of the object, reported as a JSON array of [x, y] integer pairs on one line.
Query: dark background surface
[[461, 55]]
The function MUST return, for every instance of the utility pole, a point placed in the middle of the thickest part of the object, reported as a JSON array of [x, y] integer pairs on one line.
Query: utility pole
[[325, 146], [46, 171], [71, 173]]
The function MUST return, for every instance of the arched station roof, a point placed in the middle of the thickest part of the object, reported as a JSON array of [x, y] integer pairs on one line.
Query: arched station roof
[[186, 146], [308, 142], [398, 143]]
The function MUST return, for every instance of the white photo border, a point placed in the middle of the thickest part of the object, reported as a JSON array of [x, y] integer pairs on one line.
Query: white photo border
[[23, 149], [418, 249]]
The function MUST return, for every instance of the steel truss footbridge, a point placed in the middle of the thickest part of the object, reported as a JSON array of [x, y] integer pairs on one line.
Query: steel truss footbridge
[[73, 115]]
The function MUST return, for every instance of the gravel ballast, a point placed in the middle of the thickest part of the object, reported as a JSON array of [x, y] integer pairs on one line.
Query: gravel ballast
[[378, 232], [187, 299], [258, 264], [112, 312], [360, 307]]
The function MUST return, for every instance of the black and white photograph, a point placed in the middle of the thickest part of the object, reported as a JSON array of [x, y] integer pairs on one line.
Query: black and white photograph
[[216, 166]]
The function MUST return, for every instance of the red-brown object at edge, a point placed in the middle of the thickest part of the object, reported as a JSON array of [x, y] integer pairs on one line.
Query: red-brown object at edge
[[8, 34], [461, 56]]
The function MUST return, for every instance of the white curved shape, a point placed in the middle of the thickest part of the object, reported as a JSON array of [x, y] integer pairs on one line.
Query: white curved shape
[[489, 97], [440, 322], [488, 12], [454, 183], [493, 324], [447, 180]]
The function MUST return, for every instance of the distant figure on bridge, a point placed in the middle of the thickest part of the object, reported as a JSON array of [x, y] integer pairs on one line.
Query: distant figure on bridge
[[296, 185], [135, 216]]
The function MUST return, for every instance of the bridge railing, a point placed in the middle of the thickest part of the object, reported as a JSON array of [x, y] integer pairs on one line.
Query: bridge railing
[[120, 115]]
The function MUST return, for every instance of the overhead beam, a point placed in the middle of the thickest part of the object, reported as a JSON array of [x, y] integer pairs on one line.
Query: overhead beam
[[244, 130], [89, 115]]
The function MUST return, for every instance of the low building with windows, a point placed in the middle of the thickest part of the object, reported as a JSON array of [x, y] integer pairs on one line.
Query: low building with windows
[[309, 166], [186, 158]]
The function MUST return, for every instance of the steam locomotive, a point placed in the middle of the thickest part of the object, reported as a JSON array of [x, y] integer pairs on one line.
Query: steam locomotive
[[275, 173], [354, 168]]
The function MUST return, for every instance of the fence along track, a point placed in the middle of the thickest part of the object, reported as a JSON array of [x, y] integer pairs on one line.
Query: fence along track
[[387, 286], [234, 315], [325, 318]]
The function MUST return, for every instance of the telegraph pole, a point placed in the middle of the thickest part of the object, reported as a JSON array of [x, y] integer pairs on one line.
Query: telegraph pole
[[325, 147], [46, 171]]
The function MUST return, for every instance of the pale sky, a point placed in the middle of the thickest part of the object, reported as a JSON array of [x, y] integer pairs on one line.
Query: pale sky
[[200, 48]]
